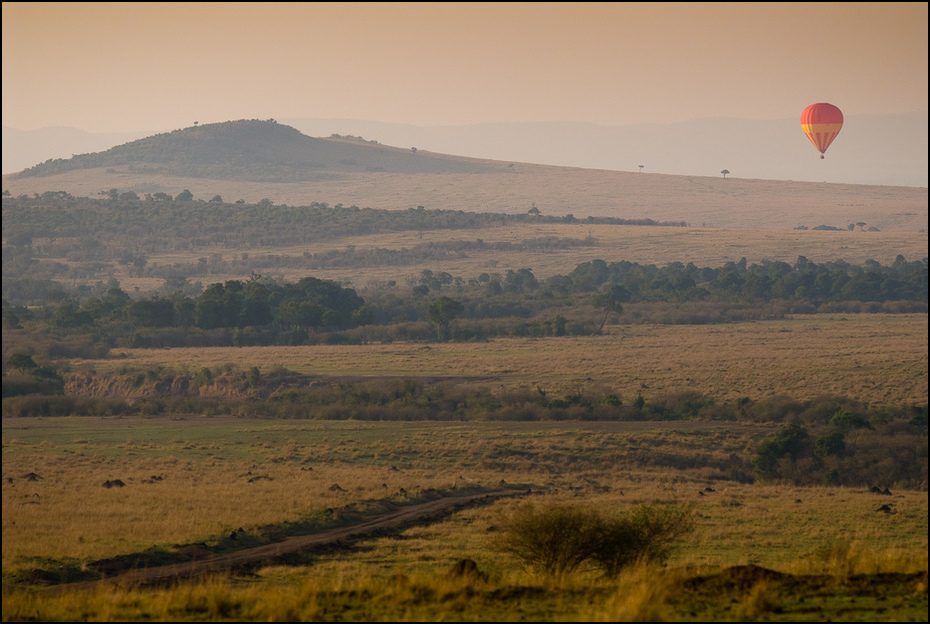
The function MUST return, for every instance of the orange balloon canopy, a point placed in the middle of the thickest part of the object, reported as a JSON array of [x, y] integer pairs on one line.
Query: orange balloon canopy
[[821, 123]]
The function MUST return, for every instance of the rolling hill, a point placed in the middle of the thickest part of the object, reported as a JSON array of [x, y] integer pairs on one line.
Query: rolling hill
[[256, 150], [253, 160]]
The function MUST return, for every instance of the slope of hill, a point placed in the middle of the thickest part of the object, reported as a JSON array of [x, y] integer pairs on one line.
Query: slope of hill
[[24, 148], [256, 150]]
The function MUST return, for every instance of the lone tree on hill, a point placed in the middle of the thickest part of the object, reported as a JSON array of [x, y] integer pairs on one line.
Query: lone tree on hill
[[725, 172]]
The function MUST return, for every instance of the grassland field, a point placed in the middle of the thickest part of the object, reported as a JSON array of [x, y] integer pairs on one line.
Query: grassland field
[[700, 201], [773, 552], [203, 470], [216, 475], [877, 359]]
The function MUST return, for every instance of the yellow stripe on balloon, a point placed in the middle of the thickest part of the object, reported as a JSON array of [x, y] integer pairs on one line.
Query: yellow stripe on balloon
[[821, 128], [821, 135]]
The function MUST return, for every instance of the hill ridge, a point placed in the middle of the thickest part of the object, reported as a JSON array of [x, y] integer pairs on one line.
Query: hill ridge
[[259, 150]]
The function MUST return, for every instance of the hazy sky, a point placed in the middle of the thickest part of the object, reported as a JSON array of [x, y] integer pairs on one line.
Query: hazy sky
[[160, 66]]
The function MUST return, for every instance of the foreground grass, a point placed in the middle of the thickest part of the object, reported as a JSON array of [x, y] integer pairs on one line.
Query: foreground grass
[[642, 594], [820, 541], [217, 475]]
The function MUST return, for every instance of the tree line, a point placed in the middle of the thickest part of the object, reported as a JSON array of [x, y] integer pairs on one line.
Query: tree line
[[440, 306]]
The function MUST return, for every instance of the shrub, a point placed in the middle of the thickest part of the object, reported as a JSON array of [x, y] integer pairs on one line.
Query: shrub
[[555, 540], [562, 538], [646, 532]]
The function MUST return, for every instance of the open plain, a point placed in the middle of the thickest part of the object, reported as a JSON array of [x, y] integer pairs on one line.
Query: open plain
[[232, 484], [698, 201], [155, 478]]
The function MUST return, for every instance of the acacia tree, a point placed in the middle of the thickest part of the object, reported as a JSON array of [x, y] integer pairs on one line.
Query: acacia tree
[[22, 362], [441, 312], [611, 301]]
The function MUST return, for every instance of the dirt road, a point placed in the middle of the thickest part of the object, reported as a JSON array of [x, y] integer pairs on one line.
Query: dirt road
[[269, 552]]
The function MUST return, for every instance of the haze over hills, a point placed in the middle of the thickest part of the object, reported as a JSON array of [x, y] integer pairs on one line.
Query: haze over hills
[[25, 148], [250, 160], [872, 149]]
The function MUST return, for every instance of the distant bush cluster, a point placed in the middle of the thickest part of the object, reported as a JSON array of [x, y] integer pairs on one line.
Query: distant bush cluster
[[852, 448], [91, 234]]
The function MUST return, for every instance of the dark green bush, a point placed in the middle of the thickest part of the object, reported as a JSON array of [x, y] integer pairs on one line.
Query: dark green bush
[[560, 539], [644, 532], [555, 540]]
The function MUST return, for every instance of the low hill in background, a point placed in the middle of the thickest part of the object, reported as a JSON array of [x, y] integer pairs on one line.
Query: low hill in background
[[259, 151], [887, 150]]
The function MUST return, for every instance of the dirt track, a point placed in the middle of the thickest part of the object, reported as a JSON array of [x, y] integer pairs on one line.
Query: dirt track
[[271, 551]]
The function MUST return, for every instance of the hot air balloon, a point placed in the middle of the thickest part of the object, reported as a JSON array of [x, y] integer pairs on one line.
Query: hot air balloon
[[821, 123]]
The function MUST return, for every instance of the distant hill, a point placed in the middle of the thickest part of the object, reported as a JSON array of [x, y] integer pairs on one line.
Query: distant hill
[[260, 151], [872, 149]]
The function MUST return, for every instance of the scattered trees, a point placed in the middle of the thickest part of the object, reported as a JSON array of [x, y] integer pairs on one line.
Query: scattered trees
[[836, 446]]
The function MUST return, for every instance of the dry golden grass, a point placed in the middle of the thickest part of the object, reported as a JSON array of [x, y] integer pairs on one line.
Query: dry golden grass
[[640, 596], [879, 359], [205, 493], [67, 518]]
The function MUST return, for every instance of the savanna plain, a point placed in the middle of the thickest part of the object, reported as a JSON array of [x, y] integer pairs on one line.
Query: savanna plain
[[195, 486], [760, 465]]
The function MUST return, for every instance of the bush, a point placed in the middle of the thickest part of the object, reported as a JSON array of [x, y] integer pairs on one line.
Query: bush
[[555, 541], [646, 532], [560, 539]]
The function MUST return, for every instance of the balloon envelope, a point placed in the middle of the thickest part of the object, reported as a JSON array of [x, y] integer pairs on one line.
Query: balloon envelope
[[821, 123]]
